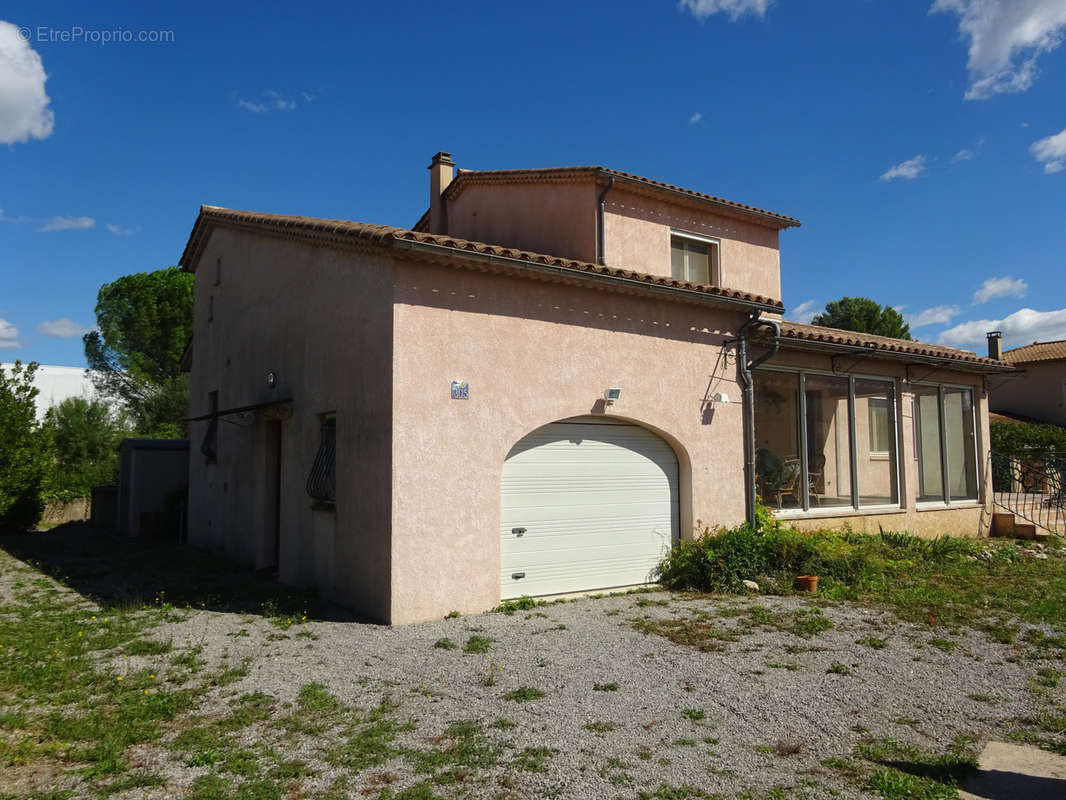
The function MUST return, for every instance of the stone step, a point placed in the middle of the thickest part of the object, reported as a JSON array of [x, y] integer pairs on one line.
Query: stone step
[[1002, 524], [1024, 530]]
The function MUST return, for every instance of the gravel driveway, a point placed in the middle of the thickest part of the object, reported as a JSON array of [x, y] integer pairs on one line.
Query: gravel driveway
[[751, 696]]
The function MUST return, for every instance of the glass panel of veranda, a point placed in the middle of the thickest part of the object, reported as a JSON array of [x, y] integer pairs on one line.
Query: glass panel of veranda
[[828, 441], [875, 442], [778, 477], [961, 439]]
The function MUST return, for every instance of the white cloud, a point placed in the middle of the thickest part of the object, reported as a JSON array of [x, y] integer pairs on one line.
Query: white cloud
[[805, 312], [62, 328], [1006, 38], [701, 9], [9, 336], [13, 220], [67, 224], [24, 111], [905, 170], [1024, 326], [695, 118], [969, 153], [1051, 152], [118, 230], [932, 316], [1000, 287], [269, 101]]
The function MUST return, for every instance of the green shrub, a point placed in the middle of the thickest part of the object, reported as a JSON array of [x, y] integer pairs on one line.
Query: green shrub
[[25, 451], [720, 560]]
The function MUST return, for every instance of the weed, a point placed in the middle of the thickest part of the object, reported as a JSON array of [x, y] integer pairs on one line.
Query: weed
[[524, 694], [503, 724], [1049, 678], [477, 644], [146, 647], [605, 687], [836, 668], [534, 759], [693, 714], [601, 727], [943, 644], [808, 622], [453, 614], [982, 698], [445, 644], [509, 607], [873, 642]]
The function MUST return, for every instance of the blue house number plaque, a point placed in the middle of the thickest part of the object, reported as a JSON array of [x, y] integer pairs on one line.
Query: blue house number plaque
[[460, 390]]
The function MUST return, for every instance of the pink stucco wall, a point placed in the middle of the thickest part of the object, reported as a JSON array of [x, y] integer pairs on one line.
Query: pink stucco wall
[[320, 318], [554, 218], [534, 353], [637, 231], [1039, 392]]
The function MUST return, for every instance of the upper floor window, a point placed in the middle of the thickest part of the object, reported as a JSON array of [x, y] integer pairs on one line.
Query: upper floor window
[[694, 259]]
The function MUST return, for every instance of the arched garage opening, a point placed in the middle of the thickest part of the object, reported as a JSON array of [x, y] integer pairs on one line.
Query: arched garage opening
[[585, 504]]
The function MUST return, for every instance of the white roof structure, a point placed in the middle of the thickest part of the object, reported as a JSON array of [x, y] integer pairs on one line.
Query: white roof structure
[[55, 384]]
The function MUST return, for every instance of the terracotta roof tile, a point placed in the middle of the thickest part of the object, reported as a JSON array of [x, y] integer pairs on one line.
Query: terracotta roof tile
[[387, 236], [900, 347], [1037, 351]]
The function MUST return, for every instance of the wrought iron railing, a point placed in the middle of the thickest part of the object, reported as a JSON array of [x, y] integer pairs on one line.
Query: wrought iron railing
[[1032, 485]]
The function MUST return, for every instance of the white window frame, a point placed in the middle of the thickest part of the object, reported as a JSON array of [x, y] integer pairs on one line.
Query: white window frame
[[714, 268]]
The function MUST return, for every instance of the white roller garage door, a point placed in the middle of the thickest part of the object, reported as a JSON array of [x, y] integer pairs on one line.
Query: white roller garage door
[[585, 505]]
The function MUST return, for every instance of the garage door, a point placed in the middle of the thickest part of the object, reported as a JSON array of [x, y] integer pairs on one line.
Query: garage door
[[585, 505]]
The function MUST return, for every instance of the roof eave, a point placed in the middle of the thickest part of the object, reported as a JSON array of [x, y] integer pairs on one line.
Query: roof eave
[[779, 221], [675, 292], [789, 343]]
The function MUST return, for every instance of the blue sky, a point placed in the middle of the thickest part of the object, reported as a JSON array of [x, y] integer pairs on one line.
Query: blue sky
[[922, 144]]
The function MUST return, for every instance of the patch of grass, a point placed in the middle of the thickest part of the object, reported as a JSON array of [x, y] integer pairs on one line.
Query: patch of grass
[[462, 746], [947, 645], [524, 694], [908, 773], [873, 642], [500, 723], [314, 697], [694, 714], [509, 607], [683, 792], [1048, 678], [533, 759], [147, 647], [605, 687], [933, 582], [791, 666], [444, 643], [836, 668], [808, 622], [601, 727], [982, 698], [477, 644]]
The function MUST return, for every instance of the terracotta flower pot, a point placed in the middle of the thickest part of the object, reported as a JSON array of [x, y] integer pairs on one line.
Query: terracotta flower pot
[[807, 583]]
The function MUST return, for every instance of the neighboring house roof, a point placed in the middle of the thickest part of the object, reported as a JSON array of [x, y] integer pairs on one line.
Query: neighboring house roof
[[464, 253], [883, 346], [466, 177], [1037, 351]]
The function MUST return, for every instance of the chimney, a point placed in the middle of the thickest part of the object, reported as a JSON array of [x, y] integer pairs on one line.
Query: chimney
[[995, 345], [440, 175]]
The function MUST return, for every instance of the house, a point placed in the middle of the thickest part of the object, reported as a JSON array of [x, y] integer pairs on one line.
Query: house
[[540, 387], [1038, 392], [55, 384]]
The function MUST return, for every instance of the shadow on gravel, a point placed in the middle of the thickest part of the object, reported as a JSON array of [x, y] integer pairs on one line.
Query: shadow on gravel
[[1000, 785], [118, 571]]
